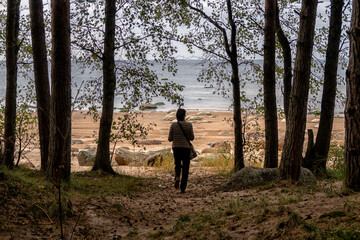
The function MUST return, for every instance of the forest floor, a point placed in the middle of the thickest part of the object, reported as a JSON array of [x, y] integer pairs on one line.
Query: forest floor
[[99, 206]]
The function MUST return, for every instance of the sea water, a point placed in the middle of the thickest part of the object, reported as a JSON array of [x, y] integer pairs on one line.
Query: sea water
[[197, 95]]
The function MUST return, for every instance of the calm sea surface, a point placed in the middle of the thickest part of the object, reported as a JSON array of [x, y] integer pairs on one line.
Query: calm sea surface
[[196, 94]]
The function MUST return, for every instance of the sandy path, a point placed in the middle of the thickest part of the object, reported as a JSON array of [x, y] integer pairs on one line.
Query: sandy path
[[160, 207]]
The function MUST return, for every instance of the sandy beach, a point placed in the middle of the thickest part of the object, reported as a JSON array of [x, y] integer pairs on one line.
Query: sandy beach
[[209, 127]]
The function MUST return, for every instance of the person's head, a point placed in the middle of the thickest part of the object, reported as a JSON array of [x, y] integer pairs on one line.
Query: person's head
[[180, 114]]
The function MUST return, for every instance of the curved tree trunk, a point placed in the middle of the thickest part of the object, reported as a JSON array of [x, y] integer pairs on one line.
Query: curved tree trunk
[[12, 33], [296, 122], [60, 118], [352, 109], [102, 160], [285, 45], [271, 125], [41, 75], [323, 136]]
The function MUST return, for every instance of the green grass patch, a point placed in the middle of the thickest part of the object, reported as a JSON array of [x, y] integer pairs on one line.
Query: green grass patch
[[98, 184], [27, 196]]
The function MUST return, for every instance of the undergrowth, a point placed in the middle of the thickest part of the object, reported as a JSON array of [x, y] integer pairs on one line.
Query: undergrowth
[[27, 197]]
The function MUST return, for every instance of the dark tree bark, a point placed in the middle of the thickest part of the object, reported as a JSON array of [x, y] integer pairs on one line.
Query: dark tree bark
[[12, 48], [271, 126], [296, 122], [285, 45], [60, 117], [323, 136], [232, 53], [352, 109], [41, 77], [102, 160]]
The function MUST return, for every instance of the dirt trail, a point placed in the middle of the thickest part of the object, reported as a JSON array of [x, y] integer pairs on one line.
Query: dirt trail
[[158, 207]]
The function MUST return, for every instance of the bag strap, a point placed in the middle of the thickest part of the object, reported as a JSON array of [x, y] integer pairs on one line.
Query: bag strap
[[184, 134]]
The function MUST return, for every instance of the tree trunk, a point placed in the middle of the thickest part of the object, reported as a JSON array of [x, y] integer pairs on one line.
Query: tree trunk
[[12, 33], [296, 122], [232, 53], [60, 118], [352, 109], [41, 77], [310, 152], [238, 148], [102, 160], [323, 136], [271, 126], [285, 45]]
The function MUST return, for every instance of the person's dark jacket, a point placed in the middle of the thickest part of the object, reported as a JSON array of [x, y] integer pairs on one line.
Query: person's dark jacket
[[177, 137]]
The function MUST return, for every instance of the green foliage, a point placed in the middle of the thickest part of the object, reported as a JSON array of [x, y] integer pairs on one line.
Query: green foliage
[[26, 129], [139, 36], [128, 128], [336, 159]]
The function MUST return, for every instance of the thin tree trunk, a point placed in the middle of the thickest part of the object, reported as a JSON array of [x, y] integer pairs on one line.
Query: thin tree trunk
[[41, 77], [352, 109], [238, 148], [285, 45], [232, 53], [102, 160], [271, 126], [60, 118], [12, 48], [296, 122], [323, 136]]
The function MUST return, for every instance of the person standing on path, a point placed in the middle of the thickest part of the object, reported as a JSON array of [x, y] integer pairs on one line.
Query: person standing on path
[[181, 148]]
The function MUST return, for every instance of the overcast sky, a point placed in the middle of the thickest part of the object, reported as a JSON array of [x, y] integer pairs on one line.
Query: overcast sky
[[183, 53]]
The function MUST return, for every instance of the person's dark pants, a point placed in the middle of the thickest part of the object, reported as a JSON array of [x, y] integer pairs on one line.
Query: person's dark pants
[[182, 161]]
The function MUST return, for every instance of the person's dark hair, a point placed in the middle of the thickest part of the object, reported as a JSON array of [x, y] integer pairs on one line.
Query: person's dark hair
[[180, 114]]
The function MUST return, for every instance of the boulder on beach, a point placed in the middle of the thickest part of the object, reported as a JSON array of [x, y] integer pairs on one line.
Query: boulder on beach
[[150, 142], [194, 118], [86, 158], [156, 157], [203, 114], [221, 147], [170, 117], [145, 106], [126, 157], [316, 120], [207, 150], [253, 176], [77, 141]]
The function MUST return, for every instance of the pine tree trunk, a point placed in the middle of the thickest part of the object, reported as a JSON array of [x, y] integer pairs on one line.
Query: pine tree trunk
[[285, 45], [352, 109], [12, 32], [102, 160], [323, 137], [271, 126], [41, 77], [296, 122], [60, 118]]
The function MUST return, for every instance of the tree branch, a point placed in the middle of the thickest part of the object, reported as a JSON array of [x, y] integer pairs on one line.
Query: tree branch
[[216, 24]]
